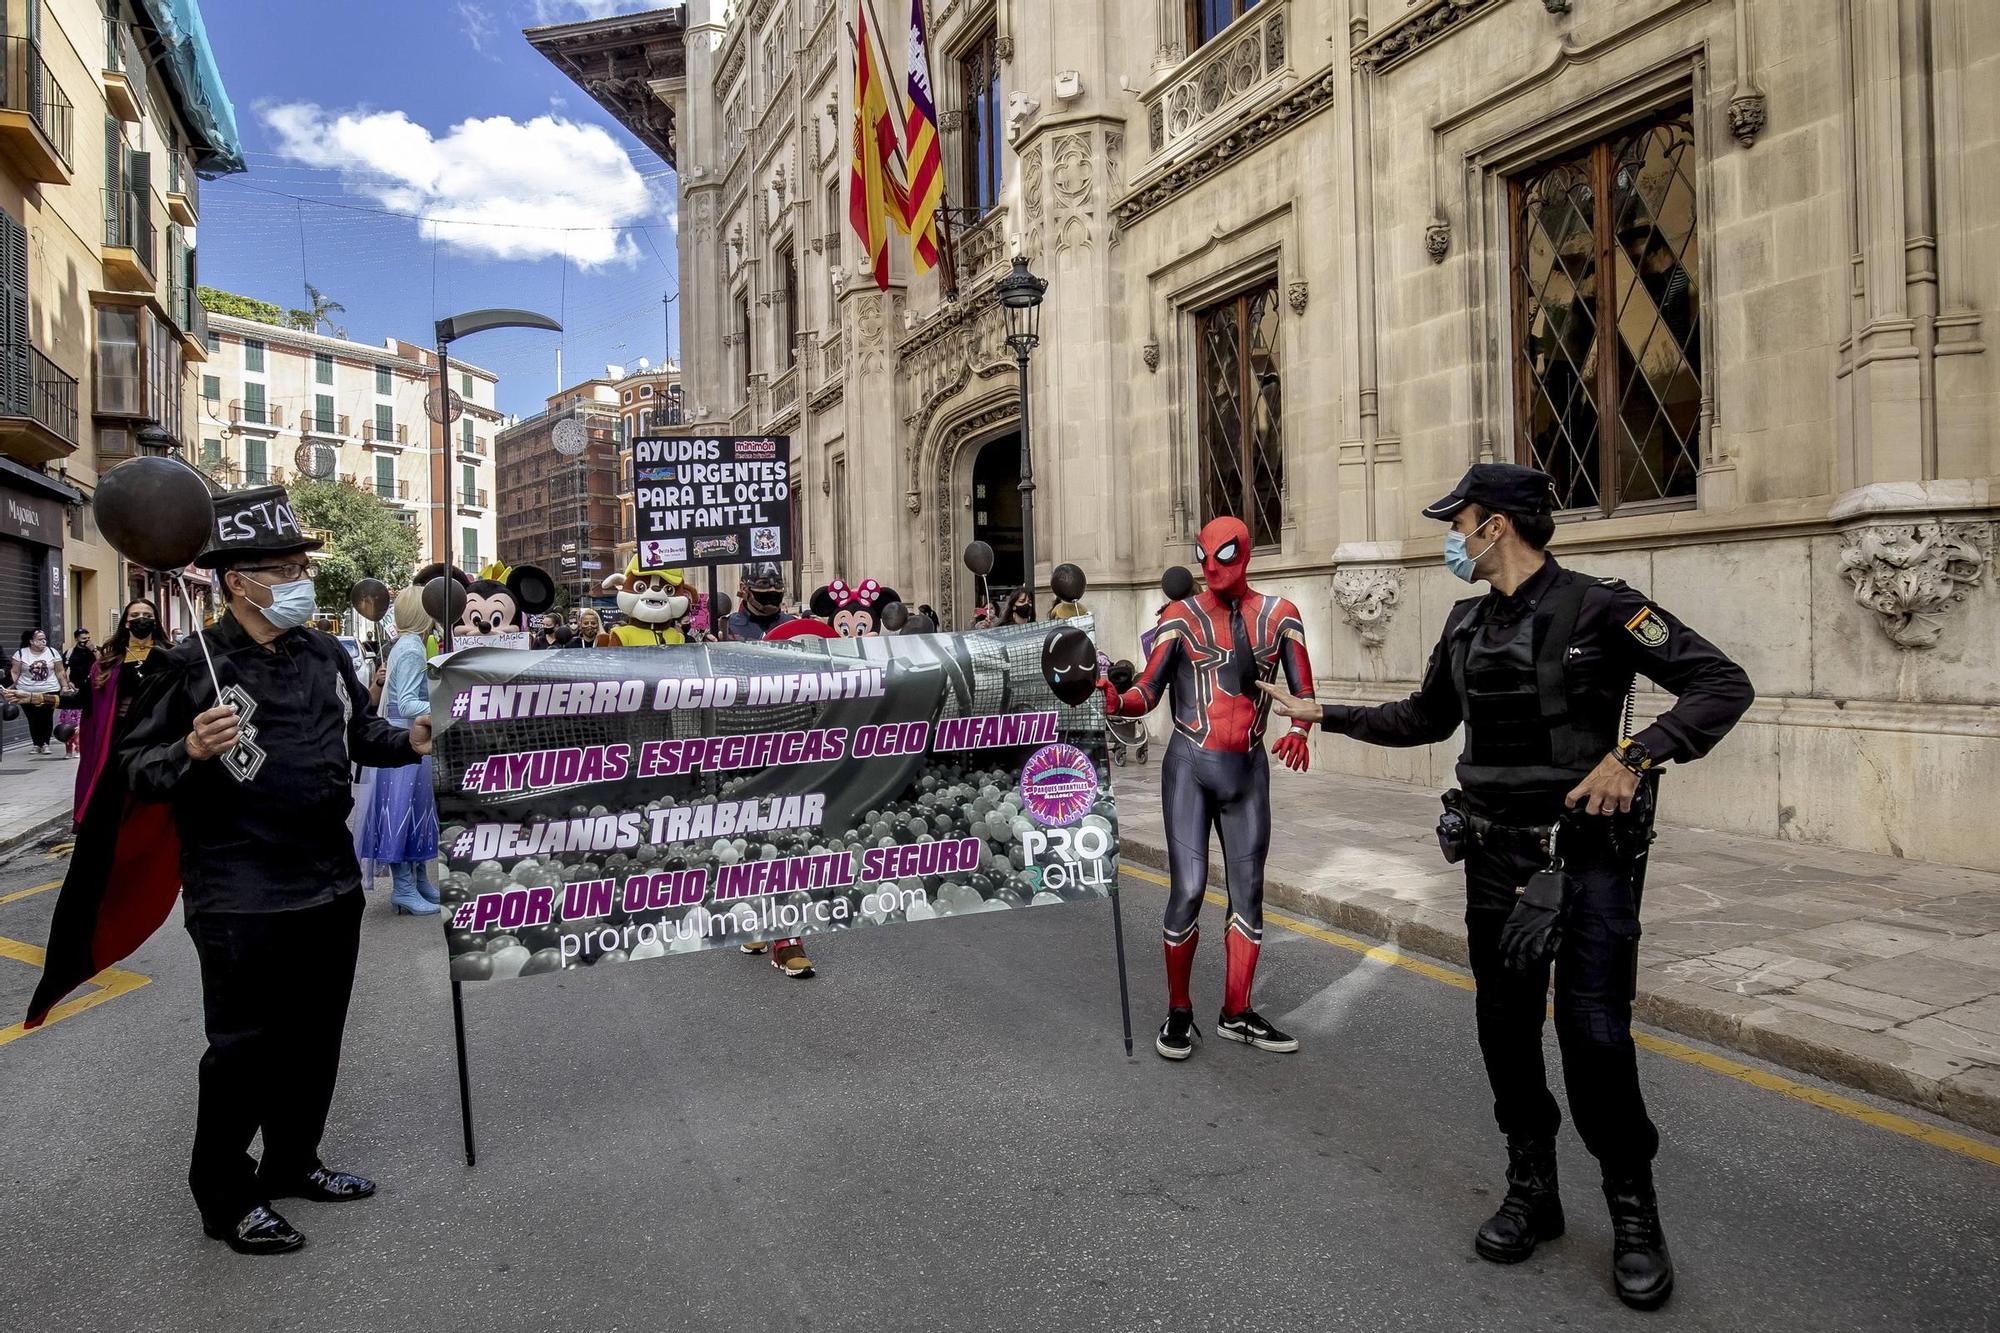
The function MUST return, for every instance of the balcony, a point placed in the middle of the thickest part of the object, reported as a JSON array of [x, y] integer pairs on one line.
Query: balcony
[[194, 333], [184, 195], [130, 243], [253, 416], [382, 488], [47, 432], [1230, 73], [325, 426], [471, 500], [375, 436], [123, 74], [37, 121], [471, 449]]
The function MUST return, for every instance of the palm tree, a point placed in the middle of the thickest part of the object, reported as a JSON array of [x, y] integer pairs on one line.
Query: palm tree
[[321, 308]]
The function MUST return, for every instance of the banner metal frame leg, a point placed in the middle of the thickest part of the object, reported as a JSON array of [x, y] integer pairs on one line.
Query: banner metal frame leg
[[464, 1080], [1118, 942]]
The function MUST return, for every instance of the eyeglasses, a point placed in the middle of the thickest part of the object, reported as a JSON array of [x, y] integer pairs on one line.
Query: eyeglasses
[[283, 573]]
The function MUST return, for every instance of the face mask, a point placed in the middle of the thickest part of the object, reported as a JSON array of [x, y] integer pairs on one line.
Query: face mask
[[1458, 560], [144, 628], [292, 604]]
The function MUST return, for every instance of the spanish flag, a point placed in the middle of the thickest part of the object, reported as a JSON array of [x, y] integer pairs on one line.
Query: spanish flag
[[875, 192], [920, 141]]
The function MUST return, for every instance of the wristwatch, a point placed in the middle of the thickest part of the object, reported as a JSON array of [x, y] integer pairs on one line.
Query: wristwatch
[[1634, 755]]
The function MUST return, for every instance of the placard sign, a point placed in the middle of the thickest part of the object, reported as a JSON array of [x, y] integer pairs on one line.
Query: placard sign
[[712, 500]]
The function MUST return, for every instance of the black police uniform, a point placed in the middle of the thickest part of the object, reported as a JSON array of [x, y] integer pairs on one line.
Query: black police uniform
[[1540, 680]]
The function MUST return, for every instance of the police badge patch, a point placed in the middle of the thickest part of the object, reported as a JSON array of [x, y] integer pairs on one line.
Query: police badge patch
[[1647, 628]]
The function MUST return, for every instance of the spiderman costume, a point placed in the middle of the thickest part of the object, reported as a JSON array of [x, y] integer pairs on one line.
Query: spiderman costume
[[1208, 652]]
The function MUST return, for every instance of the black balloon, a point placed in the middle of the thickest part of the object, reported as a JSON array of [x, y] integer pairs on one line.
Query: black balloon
[[1067, 582], [921, 624], [156, 512], [1069, 665], [370, 599], [723, 607], [1177, 583], [894, 616], [979, 559], [64, 731], [435, 593], [9, 711], [1122, 674]]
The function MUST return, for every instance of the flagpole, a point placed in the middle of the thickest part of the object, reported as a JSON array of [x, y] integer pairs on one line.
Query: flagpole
[[947, 245], [900, 160]]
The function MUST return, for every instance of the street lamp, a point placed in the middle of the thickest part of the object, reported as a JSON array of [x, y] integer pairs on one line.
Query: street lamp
[[450, 330], [1020, 295]]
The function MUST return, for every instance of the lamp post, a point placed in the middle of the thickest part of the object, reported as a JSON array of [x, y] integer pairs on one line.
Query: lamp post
[[1020, 295], [450, 330]]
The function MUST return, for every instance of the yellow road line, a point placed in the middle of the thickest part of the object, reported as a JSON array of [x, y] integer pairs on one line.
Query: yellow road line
[[19, 894], [1673, 1050], [111, 983]]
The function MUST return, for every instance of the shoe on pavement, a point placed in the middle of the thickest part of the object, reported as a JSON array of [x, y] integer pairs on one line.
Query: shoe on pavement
[[320, 1185], [1250, 1028], [1532, 1211], [1178, 1035], [755, 948], [1641, 1269], [259, 1231], [791, 960]]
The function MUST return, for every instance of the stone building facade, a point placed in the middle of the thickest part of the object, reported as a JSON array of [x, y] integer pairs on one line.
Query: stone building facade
[[1724, 267]]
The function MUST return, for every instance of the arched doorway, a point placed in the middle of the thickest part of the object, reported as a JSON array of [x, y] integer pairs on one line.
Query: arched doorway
[[996, 509]]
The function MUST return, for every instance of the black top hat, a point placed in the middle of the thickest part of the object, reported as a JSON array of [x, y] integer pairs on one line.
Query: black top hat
[[1507, 487], [257, 521]]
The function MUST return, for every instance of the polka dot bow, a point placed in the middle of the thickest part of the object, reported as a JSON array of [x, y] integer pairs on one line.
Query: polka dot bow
[[846, 596]]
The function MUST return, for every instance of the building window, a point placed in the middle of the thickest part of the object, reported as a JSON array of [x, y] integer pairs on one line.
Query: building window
[[256, 469], [468, 483], [468, 548], [788, 307], [385, 423], [385, 476], [1206, 18], [1607, 327], [465, 385], [981, 140], [383, 383], [211, 451], [211, 388], [119, 382], [323, 413], [253, 404], [253, 356], [465, 432], [1241, 404], [743, 338], [646, 390], [322, 368]]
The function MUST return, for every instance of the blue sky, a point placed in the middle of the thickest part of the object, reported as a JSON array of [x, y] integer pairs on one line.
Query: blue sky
[[356, 112]]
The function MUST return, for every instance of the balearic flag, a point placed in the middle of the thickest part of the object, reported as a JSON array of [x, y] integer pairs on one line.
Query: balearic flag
[[875, 194], [920, 144]]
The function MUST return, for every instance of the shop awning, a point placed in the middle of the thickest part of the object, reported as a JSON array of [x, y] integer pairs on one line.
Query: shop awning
[[189, 66]]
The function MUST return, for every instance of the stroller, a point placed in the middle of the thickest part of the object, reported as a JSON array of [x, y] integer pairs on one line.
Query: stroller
[[1127, 736]]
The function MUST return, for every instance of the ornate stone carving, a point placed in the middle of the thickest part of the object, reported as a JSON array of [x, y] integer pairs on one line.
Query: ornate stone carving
[[1747, 117], [1911, 574], [1075, 188], [1416, 31], [913, 501], [1556, 6], [1219, 81], [1003, 47], [1309, 99], [1150, 354], [1031, 196], [1437, 240], [951, 121], [1367, 598], [1297, 294]]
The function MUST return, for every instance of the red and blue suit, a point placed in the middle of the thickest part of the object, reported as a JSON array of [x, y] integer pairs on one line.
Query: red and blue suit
[[1209, 651]]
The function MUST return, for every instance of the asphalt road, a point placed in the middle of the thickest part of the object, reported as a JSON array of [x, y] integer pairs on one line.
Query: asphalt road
[[939, 1132]]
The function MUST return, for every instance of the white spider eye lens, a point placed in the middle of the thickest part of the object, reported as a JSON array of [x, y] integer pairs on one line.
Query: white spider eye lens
[[1200, 554], [1227, 555]]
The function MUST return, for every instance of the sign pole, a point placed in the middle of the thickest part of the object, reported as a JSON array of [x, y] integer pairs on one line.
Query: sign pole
[[1124, 991], [714, 599], [465, 1082]]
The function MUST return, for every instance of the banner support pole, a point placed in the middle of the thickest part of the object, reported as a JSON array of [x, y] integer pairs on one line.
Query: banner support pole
[[1118, 942], [464, 1081]]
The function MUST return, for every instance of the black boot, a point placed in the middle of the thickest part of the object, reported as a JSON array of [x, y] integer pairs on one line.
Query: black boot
[[1641, 1269], [1532, 1212]]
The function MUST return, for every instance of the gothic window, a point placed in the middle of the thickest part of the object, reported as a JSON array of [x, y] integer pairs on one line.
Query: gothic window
[[1607, 318], [981, 137], [788, 303], [743, 338], [1206, 18], [1241, 398]]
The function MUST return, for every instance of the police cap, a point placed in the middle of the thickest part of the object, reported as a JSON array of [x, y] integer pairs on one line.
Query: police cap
[[1507, 487]]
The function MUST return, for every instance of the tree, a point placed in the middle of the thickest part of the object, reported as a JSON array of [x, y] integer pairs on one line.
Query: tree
[[365, 539], [321, 308], [218, 302]]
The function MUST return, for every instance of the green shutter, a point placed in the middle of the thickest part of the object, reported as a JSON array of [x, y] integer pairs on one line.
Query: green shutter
[[17, 372], [114, 191]]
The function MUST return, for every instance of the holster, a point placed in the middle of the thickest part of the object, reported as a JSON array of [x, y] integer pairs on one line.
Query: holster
[[1454, 832]]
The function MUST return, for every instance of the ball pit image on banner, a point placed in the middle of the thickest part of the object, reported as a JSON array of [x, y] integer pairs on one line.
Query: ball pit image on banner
[[601, 805]]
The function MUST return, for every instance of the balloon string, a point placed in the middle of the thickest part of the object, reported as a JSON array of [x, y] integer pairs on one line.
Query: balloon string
[[180, 581]]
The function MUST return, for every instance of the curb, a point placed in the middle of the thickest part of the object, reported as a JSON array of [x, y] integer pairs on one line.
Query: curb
[[11, 842], [1796, 1041]]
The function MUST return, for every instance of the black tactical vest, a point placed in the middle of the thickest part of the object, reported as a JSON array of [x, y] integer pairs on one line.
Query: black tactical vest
[[1529, 723]]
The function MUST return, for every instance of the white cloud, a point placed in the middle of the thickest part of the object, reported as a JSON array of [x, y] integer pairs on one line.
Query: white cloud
[[561, 11], [478, 26], [526, 181]]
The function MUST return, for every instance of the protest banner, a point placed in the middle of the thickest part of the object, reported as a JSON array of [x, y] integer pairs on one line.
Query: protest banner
[[712, 500], [612, 804]]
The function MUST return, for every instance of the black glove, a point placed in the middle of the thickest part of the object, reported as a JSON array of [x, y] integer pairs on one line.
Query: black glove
[[1533, 931]]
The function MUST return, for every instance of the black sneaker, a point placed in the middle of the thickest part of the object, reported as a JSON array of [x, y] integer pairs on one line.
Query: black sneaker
[[1177, 1035], [1252, 1030]]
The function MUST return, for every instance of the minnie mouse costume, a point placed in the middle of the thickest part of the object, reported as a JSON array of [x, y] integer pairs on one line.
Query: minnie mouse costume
[[1209, 651]]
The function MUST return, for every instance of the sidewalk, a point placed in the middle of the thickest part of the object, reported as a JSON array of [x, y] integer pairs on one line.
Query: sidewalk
[[1879, 973], [33, 792]]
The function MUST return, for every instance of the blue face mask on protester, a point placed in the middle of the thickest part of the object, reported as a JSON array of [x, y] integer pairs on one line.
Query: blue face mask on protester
[[1460, 561], [292, 604]]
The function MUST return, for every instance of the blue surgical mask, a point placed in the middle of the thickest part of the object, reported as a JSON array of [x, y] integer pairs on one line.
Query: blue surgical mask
[[292, 604], [1460, 561]]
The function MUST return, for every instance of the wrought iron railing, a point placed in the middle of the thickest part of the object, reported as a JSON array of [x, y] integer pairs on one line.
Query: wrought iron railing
[[128, 222], [54, 401], [26, 85]]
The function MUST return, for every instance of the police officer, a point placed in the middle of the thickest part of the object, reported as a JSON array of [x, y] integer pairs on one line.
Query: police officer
[[1552, 819]]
